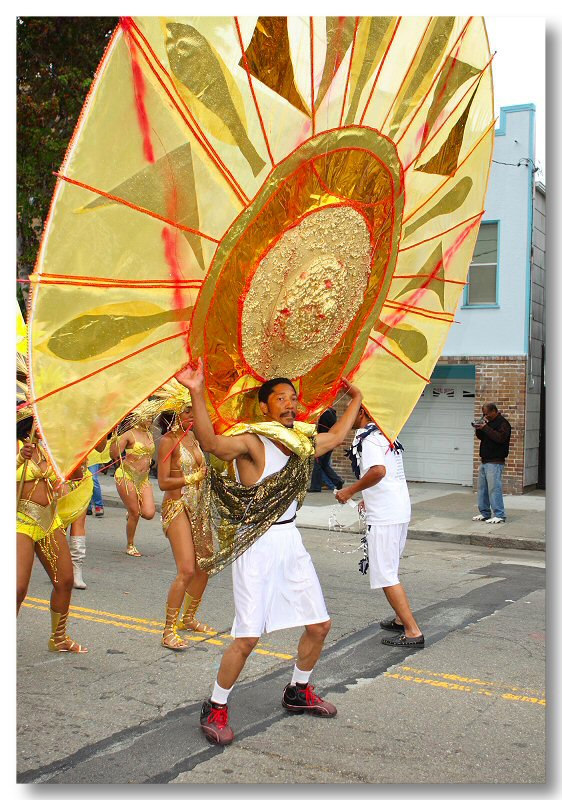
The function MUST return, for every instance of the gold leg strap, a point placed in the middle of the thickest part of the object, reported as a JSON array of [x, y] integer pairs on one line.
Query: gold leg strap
[[59, 641], [170, 638], [188, 621]]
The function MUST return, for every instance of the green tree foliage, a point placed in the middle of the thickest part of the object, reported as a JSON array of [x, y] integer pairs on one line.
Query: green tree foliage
[[57, 58]]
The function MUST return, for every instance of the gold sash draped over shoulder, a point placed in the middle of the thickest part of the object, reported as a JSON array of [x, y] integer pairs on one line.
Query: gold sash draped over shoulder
[[241, 514]]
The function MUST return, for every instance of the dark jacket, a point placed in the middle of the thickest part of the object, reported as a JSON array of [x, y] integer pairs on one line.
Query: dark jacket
[[494, 440], [327, 420]]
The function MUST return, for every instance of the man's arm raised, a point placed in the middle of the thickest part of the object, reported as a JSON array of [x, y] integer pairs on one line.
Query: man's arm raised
[[226, 448], [325, 442]]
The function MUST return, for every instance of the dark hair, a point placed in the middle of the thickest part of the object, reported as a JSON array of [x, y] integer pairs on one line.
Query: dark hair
[[267, 388], [364, 410], [165, 420], [23, 427], [491, 406]]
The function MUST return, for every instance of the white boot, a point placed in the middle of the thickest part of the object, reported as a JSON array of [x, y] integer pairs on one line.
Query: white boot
[[78, 554]]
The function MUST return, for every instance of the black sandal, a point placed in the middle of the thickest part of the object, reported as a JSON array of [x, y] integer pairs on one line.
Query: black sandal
[[405, 641]]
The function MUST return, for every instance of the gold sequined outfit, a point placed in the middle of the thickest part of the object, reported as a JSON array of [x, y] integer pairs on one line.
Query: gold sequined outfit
[[195, 502], [127, 472], [37, 521]]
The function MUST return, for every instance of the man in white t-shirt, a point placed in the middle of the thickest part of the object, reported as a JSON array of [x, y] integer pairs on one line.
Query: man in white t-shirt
[[380, 472]]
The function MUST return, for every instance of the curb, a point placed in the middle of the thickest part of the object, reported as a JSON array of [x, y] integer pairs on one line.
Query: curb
[[480, 540], [475, 539]]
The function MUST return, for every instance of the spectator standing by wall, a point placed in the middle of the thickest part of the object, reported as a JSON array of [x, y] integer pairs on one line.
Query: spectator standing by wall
[[494, 432]]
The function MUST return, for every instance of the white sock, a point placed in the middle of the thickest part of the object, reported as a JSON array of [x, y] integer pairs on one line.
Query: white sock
[[220, 695], [299, 676]]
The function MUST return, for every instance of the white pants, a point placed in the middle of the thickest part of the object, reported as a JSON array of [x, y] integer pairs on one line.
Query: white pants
[[386, 543], [275, 585]]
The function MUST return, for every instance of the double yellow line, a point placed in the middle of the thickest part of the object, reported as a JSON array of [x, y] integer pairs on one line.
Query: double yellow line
[[140, 624], [460, 683]]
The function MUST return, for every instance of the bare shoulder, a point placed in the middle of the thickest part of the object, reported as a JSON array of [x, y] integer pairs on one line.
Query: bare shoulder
[[166, 443]]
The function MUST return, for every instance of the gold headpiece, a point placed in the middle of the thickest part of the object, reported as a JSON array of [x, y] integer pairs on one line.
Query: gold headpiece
[[171, 396]]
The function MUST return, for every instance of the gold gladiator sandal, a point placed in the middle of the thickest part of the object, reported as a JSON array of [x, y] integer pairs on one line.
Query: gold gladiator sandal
[[59, 641], [170, 638], [188, 621]]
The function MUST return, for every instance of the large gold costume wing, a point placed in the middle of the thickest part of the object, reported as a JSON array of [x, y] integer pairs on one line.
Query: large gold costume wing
[[282, 196]]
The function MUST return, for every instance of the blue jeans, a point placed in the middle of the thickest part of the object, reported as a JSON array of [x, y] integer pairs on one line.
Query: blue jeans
[[490, 490], [97, 499], [323, 472]]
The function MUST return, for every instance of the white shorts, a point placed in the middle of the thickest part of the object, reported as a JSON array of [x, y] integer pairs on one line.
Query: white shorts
[[275, 585], [386, 543]]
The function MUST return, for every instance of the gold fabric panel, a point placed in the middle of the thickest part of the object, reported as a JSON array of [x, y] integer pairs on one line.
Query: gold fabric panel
[[339, 35], [437, 286], [149, 189], [373, 37], [454, 73], [445, 161], [108, 329], [197, 66], [411, 341], [422, 72], [269, 60], [449, 203]]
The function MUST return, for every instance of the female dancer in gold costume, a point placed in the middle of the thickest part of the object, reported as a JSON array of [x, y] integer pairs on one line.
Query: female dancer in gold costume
[[131, 477], [182, 474], [39, 531]]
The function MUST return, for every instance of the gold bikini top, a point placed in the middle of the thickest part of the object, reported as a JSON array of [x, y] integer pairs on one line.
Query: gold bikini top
[[139, 449], [33, 471]]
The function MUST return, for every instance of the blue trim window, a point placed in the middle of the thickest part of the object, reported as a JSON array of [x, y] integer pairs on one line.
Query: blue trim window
[[482, 284]]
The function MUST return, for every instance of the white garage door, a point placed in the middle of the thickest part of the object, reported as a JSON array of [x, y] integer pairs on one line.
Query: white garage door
[[438, 438]]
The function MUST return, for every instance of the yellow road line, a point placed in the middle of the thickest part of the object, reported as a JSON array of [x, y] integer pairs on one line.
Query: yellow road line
[[118, 620], [463, 679], [460, 687]]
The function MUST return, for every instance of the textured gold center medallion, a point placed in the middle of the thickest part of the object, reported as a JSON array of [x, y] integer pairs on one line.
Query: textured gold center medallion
[[305, 291]]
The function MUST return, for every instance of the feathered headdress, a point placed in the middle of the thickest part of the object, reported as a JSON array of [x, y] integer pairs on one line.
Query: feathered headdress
[[171, 396]]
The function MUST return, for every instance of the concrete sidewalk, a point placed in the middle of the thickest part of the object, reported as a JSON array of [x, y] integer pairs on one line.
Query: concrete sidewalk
[[440, 512]]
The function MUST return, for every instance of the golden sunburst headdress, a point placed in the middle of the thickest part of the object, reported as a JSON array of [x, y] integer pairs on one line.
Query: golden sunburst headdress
[[284, 196]]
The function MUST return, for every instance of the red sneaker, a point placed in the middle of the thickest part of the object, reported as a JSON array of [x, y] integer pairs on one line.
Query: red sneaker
[[214, 723], [298, 699]]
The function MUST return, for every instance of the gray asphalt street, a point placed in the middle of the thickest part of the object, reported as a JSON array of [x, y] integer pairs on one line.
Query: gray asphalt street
[[470, 708]]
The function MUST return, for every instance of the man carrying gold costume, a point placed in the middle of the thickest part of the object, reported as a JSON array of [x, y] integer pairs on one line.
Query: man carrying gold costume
[[274, 581]]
